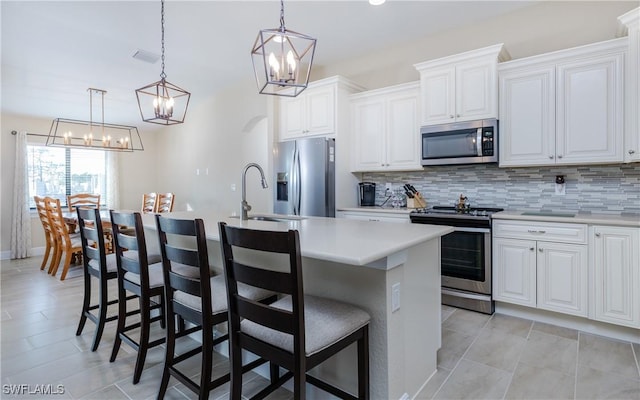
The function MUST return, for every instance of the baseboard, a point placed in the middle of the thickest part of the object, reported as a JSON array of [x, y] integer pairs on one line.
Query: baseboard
[[35, 251], [570, 321]]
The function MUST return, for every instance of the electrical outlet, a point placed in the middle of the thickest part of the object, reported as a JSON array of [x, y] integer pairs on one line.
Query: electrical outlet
[[233, 187], [395, 297]]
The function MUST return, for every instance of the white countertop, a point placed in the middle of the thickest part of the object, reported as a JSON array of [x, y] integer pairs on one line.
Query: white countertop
[[632, 220], [339, 240], [378, 209]]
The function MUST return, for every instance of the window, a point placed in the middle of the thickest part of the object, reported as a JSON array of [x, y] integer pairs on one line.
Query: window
[[57, 172]]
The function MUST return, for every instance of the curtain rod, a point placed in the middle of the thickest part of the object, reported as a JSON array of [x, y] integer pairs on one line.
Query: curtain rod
[[30, 134]]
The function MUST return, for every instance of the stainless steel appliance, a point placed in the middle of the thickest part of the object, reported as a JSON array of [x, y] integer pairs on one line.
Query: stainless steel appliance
[[460, 143], [366, 194], [465, 255], [305, 177]]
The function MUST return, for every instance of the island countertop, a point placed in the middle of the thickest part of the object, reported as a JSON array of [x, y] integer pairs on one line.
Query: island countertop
[[339, 240]]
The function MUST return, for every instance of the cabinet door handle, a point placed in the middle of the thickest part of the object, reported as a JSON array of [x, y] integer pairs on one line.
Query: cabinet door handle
[[631, 151], [540, 250], [559, 155], [531, 248], [534, 231], [551, 157], [597, 234], [457, 115], [451, 116]]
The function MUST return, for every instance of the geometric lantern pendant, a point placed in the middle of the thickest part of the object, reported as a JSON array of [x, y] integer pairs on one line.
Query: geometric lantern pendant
[[162, 102], [282, 59]]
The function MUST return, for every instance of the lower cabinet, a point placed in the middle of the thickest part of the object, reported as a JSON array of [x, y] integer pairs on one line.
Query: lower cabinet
[[588, 271], [532, 270], [615, 275]]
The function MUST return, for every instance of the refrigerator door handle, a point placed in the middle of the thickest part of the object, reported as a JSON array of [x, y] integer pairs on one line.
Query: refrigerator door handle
[[298, 187]]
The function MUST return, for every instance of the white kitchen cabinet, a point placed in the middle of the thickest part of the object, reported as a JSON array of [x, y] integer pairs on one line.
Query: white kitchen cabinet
[[631, 22], [542, 265], [564, 107], [514, 271], [376, 216], [385, 129], [562, 278], [615, 272], [315, 111], [462, 87]]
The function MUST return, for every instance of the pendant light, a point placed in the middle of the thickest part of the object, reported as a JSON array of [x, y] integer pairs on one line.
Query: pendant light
[[162, 102], [94, 135], [282, 60]]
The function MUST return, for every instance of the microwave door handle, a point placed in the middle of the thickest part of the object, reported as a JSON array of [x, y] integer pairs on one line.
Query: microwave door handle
[[479, 142]]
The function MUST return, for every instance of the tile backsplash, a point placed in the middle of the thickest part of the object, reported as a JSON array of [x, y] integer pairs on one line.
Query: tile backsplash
[[612, 189]]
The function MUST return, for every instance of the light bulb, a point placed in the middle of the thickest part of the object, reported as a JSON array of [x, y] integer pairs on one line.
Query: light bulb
[[291, 62]]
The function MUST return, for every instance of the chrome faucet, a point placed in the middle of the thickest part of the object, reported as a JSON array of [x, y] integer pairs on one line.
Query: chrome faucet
[[245, 206]]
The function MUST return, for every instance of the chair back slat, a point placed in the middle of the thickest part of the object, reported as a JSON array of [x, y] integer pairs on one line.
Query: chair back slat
[[177, 260], [275, 281], [124, 243], [88, 200], [58, 225], [287, 282], [42, 214], [280, 320]]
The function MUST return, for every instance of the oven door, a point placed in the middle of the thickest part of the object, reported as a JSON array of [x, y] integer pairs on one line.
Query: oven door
[[466, 260]]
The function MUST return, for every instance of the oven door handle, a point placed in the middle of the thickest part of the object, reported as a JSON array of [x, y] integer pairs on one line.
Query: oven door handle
[[465, 229]]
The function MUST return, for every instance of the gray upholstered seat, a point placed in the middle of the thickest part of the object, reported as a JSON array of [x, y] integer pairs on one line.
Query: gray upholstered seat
[[326, 322], [156, 277], [219, 295], [111, 263]]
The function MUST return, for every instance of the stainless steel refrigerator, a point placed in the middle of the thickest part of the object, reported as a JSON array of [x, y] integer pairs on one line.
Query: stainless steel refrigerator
[[305, 177]]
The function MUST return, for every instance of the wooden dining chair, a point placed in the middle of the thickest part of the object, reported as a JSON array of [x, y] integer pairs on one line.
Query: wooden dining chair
[[149, 203], [65, 243], [164, 203], [49, 234], [192, 294], [139, 273], [298, 331], [96, 264], [83, 199]]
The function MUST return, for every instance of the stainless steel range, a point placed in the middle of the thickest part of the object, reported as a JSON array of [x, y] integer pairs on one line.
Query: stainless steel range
[[465, 254]]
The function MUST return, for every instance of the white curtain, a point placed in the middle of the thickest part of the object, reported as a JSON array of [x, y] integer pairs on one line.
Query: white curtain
[[113, 194], [21, 218]]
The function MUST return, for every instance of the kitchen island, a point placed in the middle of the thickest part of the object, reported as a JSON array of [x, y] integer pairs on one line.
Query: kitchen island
[[390, 270]]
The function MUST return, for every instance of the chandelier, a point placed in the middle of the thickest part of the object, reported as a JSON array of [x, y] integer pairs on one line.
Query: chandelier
[[163, 102], [282, 59], [94, 135]]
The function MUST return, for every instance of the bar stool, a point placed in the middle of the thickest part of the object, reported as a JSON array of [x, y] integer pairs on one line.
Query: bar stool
[[297, 332], [141, 274], [194, 295], [98, 265]]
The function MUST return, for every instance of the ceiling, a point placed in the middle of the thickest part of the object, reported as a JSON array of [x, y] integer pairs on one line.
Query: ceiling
[[52, 51]]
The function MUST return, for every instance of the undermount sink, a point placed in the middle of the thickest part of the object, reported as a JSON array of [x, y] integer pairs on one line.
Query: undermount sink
[[270, 218], [549, 214]]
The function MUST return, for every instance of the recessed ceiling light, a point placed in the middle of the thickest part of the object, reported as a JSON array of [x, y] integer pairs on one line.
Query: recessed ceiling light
[[376, 2], [146, 56]]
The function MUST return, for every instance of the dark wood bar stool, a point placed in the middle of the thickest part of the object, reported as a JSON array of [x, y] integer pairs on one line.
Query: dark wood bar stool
[[97, 265], [297, 332], [195, 296], [140, 274]]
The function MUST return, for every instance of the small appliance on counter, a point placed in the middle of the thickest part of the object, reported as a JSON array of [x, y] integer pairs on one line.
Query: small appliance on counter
[[366, 194]]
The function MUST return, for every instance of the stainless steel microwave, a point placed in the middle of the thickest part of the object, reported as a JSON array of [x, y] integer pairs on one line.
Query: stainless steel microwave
[[460, 143]]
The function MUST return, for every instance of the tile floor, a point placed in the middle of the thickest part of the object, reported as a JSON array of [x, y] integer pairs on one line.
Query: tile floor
[[482, 357]]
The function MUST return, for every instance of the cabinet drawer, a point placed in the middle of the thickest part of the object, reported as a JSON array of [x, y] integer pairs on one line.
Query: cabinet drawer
[[544, 231]]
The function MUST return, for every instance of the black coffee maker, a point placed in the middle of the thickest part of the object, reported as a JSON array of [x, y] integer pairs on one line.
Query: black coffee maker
[[367, 194]]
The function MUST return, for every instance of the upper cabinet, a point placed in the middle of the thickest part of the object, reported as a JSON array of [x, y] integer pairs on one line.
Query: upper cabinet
[[564, 107], [385, 129], [462, 87], [314, 111], [631, 22]]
